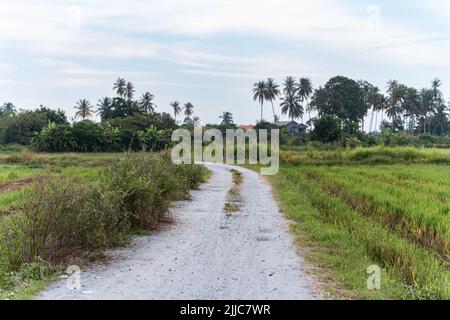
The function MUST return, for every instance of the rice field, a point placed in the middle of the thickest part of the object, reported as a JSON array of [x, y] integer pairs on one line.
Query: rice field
[[353, 215]]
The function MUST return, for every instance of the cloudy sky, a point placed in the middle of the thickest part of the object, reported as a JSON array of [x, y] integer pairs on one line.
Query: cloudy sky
[[210, 52]]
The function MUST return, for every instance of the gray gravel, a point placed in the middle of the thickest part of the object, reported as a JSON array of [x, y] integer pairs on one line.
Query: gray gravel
[[205, 254]]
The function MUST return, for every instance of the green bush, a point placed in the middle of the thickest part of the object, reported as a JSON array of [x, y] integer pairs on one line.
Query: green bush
[[88, 136], [59, 217], [327, 129], [63, 218], [148, 184]]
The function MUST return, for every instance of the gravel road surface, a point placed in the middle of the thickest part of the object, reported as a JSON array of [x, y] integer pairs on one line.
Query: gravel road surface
[[205, 253]]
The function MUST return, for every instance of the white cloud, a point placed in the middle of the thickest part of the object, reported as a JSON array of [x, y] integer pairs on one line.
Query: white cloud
[[112, 35], [211, 73], [104, 24]]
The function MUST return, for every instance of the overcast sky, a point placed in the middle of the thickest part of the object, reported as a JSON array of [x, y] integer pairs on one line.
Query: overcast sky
[[210, 52]]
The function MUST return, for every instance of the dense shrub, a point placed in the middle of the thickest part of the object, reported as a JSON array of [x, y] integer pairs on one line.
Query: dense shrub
[[63, 218], [88, 136], [149, 183], [327, 129], [20, 128], [60, 217], [391, 139]]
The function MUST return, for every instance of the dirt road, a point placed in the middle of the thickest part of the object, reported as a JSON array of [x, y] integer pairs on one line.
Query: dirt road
[[205, 254]]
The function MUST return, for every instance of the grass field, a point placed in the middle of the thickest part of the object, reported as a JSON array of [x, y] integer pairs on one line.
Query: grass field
[[352, 212], [353, 208], [61, 208]]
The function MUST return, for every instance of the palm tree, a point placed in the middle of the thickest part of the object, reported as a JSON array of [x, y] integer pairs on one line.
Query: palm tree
[[120, 87], [291, 105], [103, 106], [227, 118], [272, 92], [396, 103], [437, 94], [196, 120], [129, 91], [176, 109], [435, 85], [290, 86], [412, 108], [378, 102], [305, 91], [146, 103], [259, 94], [426, 105], [441, 116], [8, 109], [84, 109], [188, 110]]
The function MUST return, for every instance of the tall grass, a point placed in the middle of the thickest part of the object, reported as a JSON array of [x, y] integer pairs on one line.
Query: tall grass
[[423, 274], [64, 218], [418, 217], [374, 155]]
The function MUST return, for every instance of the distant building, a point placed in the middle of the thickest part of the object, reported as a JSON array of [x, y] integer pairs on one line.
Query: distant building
[[293, 127], [246, 127]]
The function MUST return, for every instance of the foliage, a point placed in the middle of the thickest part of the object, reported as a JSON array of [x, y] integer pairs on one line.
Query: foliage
[[83, 108], [65, 218], [227, 118], [327, 129], [131, 133], [21, 128], [7, 110], [341, 97]]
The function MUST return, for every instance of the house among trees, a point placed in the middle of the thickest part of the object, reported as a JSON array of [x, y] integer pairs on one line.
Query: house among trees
[[293, 127]]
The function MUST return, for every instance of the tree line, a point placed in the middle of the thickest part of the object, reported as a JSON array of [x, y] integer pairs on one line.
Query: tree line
[[125, 123], [401, 109]]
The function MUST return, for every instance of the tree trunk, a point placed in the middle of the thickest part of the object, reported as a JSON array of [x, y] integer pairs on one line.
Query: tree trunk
[[273, 111], [261, 111], [425, 124], [376, 121], [371, 120]]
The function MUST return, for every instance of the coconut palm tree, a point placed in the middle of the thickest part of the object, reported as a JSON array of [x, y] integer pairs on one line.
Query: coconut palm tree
[[291, 105], [227, 118], [259, 94], [441, 116], [412, 108], [272, 93], [426, 105], [176, 109], [188, 110], [146, 103], [290, 86], [396, 103], [435, 85], [103, 106], [129, 91], [378, 102], [305, 91], [8, 109], [120, 87], [84, 109], [437, 93]]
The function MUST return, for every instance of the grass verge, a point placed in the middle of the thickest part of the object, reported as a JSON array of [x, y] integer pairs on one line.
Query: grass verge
[[66, 220]]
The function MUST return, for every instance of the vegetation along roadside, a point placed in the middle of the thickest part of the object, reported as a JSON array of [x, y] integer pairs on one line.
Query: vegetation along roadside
[[356, 213], [67, 219]]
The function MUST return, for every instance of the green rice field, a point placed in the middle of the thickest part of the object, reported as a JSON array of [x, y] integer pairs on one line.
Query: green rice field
[[352, 212]]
